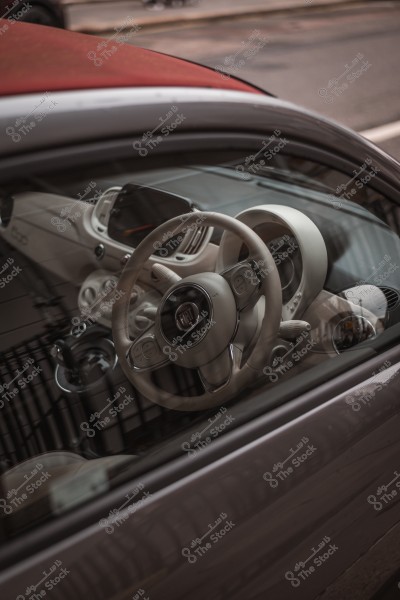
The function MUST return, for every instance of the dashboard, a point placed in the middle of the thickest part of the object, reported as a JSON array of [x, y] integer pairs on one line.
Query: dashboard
[[88, 243], [128, 214]]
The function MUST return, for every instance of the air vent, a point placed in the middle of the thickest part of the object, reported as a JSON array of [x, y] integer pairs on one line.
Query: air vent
[[194, 242], [392, 297]]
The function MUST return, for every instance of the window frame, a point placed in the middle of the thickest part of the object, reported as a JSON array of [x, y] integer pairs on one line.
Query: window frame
[[286, 404]]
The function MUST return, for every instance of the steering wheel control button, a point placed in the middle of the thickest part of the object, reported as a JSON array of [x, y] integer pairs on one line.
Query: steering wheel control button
[[145, 353], [136, 352], [244, 283], [149, 349], [239, 283]]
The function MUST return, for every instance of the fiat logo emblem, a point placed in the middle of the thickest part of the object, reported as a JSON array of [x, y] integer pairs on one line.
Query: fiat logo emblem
[[186, 316]]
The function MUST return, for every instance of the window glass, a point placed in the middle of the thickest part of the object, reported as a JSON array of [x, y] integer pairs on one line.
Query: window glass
[[67, 411]]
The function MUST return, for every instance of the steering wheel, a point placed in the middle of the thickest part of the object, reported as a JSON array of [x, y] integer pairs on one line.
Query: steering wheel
[[199, 316]]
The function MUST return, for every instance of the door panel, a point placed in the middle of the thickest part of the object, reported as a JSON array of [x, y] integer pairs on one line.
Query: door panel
[[272, 524]]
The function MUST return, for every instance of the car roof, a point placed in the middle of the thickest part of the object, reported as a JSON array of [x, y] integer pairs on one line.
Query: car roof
[[35, 58]]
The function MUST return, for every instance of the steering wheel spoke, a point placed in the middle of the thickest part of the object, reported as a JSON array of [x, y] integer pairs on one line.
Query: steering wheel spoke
[[217, 373], [145, 353]]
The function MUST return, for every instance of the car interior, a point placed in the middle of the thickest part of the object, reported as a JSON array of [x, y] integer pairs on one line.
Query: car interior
[[143, 302]]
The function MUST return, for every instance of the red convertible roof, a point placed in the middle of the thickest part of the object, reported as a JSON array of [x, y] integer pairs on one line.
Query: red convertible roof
[[34, 58]]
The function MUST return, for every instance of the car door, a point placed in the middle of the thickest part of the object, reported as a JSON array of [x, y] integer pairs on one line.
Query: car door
[[291, 488]]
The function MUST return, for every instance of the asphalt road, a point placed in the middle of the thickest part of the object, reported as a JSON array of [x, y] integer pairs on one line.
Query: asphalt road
[[302, 53]]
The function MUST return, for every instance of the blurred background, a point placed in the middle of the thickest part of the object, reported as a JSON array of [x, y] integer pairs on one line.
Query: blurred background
[[335, 57], [339, 58]]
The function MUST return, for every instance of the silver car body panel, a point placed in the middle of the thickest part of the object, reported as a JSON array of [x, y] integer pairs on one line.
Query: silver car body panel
[[277, 524]]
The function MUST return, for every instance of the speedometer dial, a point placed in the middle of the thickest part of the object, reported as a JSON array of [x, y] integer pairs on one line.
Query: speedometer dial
[[287, 256], [298, 249]]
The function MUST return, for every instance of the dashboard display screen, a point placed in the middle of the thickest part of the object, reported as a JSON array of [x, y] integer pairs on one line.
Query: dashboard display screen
[[138, 210]]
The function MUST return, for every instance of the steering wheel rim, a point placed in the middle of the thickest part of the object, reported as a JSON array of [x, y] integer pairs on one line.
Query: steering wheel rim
[[269, 286]]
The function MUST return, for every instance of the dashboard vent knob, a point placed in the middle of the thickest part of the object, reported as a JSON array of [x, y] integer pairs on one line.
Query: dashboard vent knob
[[99, 251]]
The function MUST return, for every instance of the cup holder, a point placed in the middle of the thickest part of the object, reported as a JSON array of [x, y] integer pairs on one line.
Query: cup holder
[[83, 362]]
